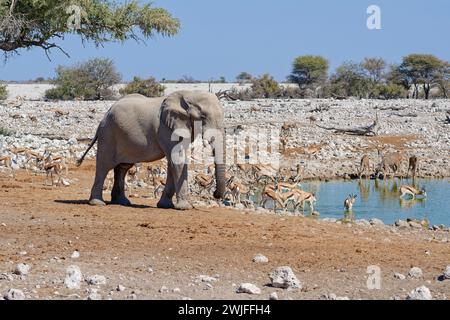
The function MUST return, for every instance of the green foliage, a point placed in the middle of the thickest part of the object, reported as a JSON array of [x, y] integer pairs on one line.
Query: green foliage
[[265, 87], [147, 87], [90, 80], [375, 68], [5, 132], [388, 91], [309, 71], [32, 23], [421, 69], [349, 81], [3, 92]]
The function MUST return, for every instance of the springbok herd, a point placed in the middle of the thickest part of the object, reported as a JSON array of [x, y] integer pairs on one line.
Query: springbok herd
[[281, 187]]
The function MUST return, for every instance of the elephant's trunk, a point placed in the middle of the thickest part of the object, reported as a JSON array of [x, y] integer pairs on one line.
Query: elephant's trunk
[[219, 160]]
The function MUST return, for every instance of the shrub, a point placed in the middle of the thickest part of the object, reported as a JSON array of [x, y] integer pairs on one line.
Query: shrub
[[90, 80], [265, 87], [243, 78], [3, 92], [5, 132], [147, 87], [388, 91]]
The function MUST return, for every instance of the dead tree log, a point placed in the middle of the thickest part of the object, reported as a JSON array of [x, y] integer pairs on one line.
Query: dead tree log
[[371, 130]]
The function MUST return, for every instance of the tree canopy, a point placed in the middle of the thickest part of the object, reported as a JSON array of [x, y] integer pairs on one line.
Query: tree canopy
[[309, 70], [39, 23], [421, 69]]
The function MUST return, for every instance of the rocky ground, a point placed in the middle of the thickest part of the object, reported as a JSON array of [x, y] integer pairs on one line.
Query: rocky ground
[[55, 246]]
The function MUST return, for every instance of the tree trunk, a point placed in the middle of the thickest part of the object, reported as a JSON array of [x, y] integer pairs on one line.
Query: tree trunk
[[426, 89]]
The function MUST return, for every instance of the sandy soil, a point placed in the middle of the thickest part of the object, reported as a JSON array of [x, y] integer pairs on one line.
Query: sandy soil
[[42, 226]]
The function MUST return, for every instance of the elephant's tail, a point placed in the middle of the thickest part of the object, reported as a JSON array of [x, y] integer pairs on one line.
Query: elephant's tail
[[80, 161]]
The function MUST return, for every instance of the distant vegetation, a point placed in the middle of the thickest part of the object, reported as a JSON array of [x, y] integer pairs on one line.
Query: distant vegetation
[[91, 80], [3, 92], [148, 87]]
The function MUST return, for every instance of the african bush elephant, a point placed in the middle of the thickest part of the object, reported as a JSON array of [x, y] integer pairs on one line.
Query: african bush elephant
[[139, 129]]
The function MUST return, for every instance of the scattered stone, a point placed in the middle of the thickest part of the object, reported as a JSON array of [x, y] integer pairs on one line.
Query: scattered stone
[[22, 269], [376, 222], [421, 293], [163, 289], [399, 276], [7, 277], [415, 273], [259, 258], [446, 274], [94, 295], [402, 224], [284, 278], [73, 277], [415, 225], [96, 280], [176, 290], [120, 288], [14, 294], [207, 279], [75, 254], [248, 288], [273, 296]]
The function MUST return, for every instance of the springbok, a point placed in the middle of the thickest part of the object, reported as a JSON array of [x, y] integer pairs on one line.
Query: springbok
[[349, 202], [412, 166], [237, 189], [413, 192], [364, 166], [301, 197]]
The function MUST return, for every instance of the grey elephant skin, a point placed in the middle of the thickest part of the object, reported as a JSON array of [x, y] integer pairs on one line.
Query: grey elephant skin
[[138, 129]]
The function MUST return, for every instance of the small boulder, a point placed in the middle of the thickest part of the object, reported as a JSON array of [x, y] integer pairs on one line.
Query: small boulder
[[284, 278], [259, 258], [248, 288], [446, 275], [96, 280], [415, 273], [22, 269], [376, 222], [14, 294], [75, 254], [399, 276], [273, 296], [73, 277], [421, 293], [402, 224]]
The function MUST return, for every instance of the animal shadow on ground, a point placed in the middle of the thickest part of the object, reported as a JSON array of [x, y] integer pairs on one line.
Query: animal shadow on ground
[[86, 202]]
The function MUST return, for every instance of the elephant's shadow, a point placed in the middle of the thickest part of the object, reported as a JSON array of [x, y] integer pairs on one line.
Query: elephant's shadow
[[86, 202]]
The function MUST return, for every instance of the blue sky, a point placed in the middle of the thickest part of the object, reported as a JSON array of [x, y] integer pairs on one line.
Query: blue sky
[[223, 38]]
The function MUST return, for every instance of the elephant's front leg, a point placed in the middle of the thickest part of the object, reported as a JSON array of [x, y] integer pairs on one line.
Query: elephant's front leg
[[166, 199], [118, 191], [180, 176]]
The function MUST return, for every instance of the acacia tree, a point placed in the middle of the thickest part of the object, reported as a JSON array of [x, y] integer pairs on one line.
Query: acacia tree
[[375, 68], [29, 23], [349, 80], [309, 71], [421, 69]]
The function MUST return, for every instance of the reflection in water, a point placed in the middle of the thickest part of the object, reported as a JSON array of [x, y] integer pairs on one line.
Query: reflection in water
[[409, 203], [364, 189], [381, 199]]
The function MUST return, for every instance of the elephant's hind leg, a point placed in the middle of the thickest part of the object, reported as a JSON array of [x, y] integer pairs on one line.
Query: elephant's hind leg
[[96, 198], [118, 192]]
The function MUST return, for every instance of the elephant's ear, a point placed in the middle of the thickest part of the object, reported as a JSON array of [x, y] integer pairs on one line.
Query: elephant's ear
[[175, 114]]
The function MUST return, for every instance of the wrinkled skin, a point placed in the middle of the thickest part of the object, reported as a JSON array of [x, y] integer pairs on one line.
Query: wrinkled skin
[[138, 129]]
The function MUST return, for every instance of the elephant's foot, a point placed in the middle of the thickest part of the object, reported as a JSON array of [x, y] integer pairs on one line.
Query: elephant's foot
[[183, 205], [165, 203], [97, 202], [122, 201]]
